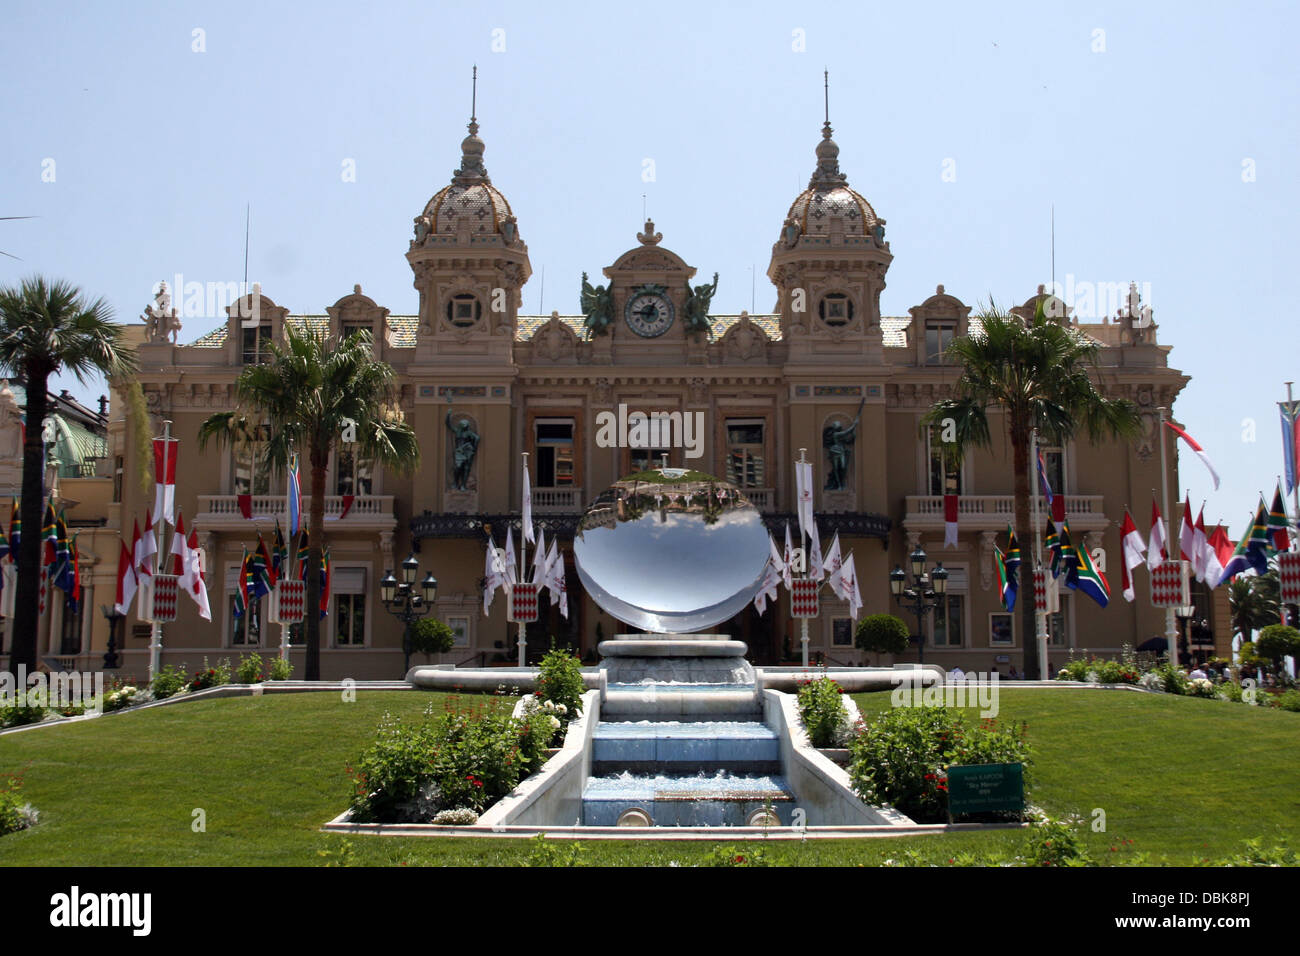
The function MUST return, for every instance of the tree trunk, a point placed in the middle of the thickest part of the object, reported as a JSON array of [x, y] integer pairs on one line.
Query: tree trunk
[[1025, 532], [31, 511], [316, 530]]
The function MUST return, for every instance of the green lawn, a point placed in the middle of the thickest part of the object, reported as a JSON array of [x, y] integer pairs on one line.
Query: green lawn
[[1182, 779]]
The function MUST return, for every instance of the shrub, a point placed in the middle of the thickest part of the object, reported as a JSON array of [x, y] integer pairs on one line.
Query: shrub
[[822, 710], [559, 680], [123, 696], [431, 636], [543, 722], [882, 634], [1165, 677], [1277, 641], [549, 853], [1054, 843], [1074, 669], [1099, 670], [168, 681], [281, 669], [249, 670], [1230, 690], [210, 676], [729, 855], [15, 814], [456, 818], [1201, 687], [1289, 700], [901, 758], [451, 761], [25, 709]]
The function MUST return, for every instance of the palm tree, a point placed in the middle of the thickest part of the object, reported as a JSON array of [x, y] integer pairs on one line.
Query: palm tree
[[1037, 373], [47, 327], [310, 390], [1253, 603]]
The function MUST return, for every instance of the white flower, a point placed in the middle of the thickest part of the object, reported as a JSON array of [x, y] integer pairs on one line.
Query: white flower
[[555, 723], [561, 709]]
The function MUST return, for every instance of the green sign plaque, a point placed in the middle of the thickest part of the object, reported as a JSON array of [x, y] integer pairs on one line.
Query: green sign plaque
[[986, 788]]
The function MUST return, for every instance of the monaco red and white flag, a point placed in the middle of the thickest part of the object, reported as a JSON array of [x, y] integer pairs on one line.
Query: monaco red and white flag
[[1132, 545], [179, 548], [1218, 552], [192, 581], [1158, 544], [1187, 534], [1200, 452], [787, 560], [1201, 547], [126, 579], [527, 506], [146, 546], [950, 508], [165, 451], [803, 486]]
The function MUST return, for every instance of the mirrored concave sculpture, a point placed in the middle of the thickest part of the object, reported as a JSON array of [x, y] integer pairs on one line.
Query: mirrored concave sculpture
[[671, 550]]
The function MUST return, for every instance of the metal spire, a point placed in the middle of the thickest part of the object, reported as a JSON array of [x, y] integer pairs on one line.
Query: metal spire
[[473, 102]]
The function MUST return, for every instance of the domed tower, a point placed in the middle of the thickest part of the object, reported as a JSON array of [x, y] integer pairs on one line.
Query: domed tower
[[469, 266], [829, 266]]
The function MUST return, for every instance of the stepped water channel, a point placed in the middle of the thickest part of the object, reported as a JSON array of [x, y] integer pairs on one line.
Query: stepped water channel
[[681, 739]]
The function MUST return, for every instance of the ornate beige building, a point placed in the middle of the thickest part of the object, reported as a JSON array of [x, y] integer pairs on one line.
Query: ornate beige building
[[764, 387]]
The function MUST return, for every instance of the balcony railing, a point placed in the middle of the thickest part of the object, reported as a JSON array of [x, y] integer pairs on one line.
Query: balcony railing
[[219, 510], [764, 499], [995, 512], [557, 500]]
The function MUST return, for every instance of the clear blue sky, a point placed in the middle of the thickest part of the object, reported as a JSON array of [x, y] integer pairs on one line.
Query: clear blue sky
[[1140, 146]]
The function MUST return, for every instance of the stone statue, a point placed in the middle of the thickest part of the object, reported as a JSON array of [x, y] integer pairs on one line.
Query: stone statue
[[422, 227], [465, 448], [838, 442], [695, 308], [597, 306], [160, 319], [790, 233], [11, 426], [510, 230], [878, 231]]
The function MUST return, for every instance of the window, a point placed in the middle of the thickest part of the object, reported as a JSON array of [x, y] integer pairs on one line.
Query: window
[[350, 620], [1056, 624], [247, 628], [553, 446], [835, 309], [70, 638], [842, 632], [354, 474], [256, 342], [945, 469], [463, 310], [746, 461], [1001, 629], [1054, 460], [948, 619], [117, 477], [938, 336], [252, 477], [643, 459], [460, 630]]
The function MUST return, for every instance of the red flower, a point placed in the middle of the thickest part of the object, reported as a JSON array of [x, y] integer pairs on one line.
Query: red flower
[[740, 859]]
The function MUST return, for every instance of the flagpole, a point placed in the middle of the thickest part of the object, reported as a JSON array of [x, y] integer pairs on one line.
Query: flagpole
[[803, 621], [1295, 489], [155, 628], [1040, 617], [1171, 626], [523, 551]]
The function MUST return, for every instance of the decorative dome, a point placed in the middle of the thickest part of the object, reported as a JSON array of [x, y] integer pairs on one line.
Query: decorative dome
[[829, 199], [471, 196]]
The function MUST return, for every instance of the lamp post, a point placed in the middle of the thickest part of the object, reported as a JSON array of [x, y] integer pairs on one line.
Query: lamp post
[[925, 593], [1184, 615], [111, 614], [405, 603]]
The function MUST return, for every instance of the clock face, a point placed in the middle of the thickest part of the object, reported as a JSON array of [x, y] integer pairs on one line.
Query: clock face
[[649, 314]]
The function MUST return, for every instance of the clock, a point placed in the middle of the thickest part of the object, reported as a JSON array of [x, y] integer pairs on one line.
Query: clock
[[649, 313]]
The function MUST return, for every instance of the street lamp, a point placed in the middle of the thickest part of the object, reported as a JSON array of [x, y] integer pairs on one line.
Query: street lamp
[[405, 603], [925, 594]]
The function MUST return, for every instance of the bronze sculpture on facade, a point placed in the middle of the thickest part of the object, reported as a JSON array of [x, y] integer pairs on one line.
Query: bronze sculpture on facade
[[695, 307], [464, 448], [838, 442], [597, 306]]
